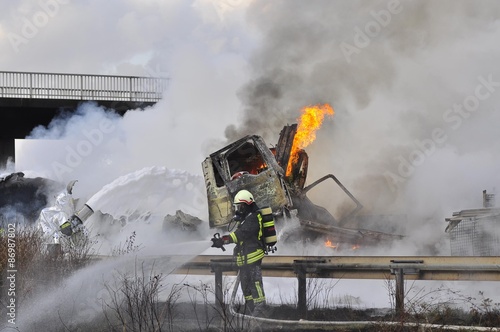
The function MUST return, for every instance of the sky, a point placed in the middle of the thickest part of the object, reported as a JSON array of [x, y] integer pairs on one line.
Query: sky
[[414, 86]]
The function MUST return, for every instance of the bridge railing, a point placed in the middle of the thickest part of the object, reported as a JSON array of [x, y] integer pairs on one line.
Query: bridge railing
[[81, 87]]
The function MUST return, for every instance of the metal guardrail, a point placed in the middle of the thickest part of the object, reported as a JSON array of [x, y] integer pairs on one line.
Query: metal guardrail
[[81, 87], [353, 267], [485, 268]]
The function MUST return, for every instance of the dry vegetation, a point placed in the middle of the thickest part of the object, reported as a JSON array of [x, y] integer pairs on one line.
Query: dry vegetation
[[38, 266]]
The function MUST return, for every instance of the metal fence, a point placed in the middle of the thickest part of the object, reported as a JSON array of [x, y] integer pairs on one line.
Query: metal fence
[[81, 87], [476, 237]]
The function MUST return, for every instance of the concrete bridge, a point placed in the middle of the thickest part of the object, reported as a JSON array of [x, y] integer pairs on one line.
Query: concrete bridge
[[31, 99]]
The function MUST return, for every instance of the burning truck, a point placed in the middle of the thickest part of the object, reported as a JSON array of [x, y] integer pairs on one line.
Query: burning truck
[[277, 176]]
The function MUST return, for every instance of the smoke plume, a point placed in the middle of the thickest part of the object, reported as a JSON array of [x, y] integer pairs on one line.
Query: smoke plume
[[414, 85]]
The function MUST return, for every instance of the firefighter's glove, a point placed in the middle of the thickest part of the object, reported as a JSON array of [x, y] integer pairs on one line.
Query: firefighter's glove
[[66, 228], [219, 242], [71, 226]]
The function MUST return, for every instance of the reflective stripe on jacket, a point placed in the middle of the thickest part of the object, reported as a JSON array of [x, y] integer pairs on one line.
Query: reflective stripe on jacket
[[248, 239]]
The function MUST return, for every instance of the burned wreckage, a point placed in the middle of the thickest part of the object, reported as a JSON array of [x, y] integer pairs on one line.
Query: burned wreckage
[[276, 177]]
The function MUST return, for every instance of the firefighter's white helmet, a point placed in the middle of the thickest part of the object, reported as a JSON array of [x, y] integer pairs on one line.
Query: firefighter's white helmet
[[244, 196]]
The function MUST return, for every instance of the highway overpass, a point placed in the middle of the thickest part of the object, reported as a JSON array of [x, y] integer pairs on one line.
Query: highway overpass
[[31, 99]]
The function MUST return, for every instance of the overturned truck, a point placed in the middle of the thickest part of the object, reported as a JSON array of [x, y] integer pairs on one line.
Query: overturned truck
[[277, 179]]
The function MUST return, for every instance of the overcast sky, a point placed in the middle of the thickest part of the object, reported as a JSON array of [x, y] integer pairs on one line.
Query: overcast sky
[[414, 84]]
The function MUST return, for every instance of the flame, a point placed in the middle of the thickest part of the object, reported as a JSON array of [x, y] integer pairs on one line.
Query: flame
[[329, 244], [308, 123]]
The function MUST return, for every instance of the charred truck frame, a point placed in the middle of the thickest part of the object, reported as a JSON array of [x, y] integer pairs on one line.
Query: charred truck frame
[[278, 182]]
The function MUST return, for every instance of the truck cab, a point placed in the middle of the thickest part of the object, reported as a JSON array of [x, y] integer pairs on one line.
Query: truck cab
[[245, 164]]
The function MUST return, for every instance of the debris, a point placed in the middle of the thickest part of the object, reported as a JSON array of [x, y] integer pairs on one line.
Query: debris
[[26, 197], [182, 221]]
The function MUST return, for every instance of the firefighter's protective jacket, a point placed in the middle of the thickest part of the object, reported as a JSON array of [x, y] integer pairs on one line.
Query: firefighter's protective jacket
[[248, 238]]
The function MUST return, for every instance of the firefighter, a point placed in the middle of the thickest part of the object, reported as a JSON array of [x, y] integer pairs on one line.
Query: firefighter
[[249, 250]]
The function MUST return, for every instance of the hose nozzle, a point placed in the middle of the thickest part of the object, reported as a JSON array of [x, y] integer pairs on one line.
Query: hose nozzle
[[75, 223]]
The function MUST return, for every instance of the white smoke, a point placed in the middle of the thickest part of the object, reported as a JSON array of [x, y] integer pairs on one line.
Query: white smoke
[[397, 140], [197, 45]]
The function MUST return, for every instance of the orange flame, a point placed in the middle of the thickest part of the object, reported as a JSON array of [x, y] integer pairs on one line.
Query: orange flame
[[329, 244], [309, 122]]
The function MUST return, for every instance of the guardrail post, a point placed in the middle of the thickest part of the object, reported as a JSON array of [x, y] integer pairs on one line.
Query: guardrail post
[[301, 269], [302, 294], [218, 267], [399, 268], [400, 292], [219, 295]]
